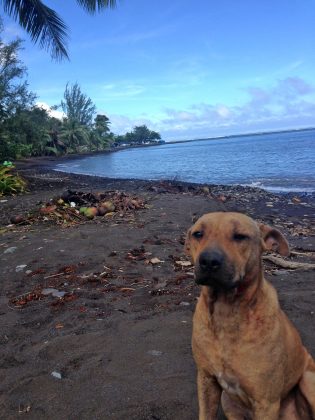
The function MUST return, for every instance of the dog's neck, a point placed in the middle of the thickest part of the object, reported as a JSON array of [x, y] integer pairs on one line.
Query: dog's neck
[[244, 296]]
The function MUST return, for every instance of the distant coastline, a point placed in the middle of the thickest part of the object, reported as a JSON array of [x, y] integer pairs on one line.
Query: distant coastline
[[230, 136]]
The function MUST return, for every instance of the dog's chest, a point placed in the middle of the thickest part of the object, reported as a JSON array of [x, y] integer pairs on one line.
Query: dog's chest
[[217, 346], [215, 353], [214, 345], [231, 385]]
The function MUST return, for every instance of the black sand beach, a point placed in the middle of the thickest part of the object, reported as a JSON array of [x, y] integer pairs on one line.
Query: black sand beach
[[115, 342]]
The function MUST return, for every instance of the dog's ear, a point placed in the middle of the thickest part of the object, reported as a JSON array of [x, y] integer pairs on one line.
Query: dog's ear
[[273, 240], [187, 242]]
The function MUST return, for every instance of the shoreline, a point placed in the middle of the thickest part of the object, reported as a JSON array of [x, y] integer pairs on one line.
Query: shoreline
[[44, 183], [42, 164]]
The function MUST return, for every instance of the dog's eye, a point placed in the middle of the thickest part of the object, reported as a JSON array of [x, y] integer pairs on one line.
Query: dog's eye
[[239, 237], [198, 234]]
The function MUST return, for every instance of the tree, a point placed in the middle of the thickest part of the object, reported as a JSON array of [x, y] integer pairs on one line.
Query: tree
[[75, 136], [44, 25], [77, 106], [141, 134], [100, 137], [101, 125], [14, 92], [15, 100], [154, 136]]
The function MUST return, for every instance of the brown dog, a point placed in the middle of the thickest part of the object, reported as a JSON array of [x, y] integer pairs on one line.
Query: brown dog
[[248, 354]]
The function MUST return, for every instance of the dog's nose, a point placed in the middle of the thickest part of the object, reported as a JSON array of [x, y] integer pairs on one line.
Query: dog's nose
[[211, 260]]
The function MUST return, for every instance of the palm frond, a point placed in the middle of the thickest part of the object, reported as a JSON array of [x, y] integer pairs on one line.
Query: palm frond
[[42, 24], [92, 6]]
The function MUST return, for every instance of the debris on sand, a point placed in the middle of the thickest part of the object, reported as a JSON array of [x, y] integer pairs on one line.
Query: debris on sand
[[53, 292], [74, 207], [56, 375], [10, 250]]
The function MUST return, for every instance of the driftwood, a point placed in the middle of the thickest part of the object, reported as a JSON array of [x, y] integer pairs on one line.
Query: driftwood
[[289, 264], [303, 254]]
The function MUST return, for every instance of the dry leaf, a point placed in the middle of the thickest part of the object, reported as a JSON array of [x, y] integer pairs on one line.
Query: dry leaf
[[155, 260], [183, 263]]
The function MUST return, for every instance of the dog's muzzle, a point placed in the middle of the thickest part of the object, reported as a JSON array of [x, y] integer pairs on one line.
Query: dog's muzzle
[[212, 269]]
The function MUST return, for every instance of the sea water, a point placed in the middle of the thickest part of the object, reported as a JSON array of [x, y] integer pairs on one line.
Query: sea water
[[278, 162]]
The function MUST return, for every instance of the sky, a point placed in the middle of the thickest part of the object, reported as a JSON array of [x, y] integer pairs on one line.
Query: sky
[[187, 69]]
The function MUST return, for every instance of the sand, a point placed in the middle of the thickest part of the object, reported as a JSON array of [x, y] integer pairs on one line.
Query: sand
[[111, 340]]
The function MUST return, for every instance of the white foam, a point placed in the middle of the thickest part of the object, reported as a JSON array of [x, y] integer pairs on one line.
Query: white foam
[[279, 189]]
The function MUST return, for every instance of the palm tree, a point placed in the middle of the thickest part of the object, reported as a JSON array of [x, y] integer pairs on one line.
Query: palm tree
[[44, 25], [75, 136]]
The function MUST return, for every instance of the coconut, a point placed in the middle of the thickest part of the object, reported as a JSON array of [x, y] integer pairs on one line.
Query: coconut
[[101, 211], [136, 204], [109, 206], [17, 219], [47, 209], [91, 212]]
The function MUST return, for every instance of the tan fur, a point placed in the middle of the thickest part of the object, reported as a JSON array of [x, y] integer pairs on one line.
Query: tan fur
[[247, 352]]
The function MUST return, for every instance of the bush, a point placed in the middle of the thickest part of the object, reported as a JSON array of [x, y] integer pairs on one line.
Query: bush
[[10, 183]]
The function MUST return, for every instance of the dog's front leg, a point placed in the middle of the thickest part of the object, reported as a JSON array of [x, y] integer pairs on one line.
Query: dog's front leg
[[266, 410], [307, 384], [209, 393]]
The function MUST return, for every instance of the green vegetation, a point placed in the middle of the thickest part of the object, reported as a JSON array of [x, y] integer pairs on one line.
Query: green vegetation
[[139, 135], [28, 130], [10, 183], [77, 106], [44, 25]]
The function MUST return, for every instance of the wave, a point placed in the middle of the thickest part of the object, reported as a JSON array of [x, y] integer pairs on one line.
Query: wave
[[280, 188]]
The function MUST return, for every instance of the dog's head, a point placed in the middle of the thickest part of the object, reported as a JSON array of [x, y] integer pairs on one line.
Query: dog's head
[[226, 249]]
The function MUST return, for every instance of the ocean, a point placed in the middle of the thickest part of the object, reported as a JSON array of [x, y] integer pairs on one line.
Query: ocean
[[277, 162]]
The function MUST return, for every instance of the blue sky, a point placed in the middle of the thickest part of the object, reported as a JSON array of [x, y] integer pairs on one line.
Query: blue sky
[[186, 69]]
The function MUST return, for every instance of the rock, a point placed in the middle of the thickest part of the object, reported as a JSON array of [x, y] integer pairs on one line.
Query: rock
[[155, 352], [183, 263], [56, 375], [53, 292], [280, 272], [155, 260], [15, 220], [10, 250], [222, 198], [20, 268]]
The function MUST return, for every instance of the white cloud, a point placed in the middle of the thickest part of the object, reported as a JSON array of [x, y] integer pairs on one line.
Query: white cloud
[[223, 111], [12, 31], [52, 112], [121, 124], [117, 91], [289, 103]]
